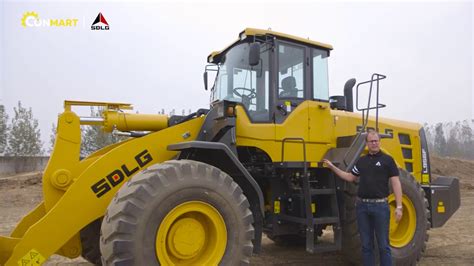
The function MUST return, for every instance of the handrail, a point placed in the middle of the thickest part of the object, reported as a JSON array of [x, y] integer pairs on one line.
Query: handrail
[[365, 111], [357, 143], [304, 150]]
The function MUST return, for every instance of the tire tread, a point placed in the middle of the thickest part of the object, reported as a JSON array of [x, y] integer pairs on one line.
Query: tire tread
[[122, 215]]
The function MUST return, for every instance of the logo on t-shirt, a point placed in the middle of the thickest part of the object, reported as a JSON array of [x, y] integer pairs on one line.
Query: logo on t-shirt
[[378, 164]]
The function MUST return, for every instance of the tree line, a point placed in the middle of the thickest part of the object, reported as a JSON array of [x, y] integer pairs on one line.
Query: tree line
[[20, 136], [451, 139]]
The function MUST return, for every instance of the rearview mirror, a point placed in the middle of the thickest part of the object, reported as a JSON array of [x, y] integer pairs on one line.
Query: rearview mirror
[[205, 80], [213, 69], [254, 54]]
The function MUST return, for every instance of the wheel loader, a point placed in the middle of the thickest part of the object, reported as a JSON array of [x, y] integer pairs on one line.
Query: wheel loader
[[202, 189]]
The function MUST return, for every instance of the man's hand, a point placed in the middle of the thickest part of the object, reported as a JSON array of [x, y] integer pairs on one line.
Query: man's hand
[[398, 214], [328, 163], [344, 175]]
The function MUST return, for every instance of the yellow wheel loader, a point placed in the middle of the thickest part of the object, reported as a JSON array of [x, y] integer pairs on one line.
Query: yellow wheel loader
[[202, 189]]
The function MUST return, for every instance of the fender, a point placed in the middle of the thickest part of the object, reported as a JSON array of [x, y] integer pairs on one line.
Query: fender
[[190, 149], [220, 155]]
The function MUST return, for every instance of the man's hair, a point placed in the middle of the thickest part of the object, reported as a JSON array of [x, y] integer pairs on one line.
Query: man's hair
[[372, 132]]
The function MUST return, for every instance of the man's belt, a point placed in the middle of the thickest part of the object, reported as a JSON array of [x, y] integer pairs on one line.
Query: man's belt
[[382, 200]]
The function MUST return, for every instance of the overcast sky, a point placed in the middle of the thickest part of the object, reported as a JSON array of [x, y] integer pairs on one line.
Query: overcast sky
[[154, 53]]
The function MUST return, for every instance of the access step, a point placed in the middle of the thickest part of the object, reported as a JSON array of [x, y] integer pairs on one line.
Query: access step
[[319, 220], [323, 191]]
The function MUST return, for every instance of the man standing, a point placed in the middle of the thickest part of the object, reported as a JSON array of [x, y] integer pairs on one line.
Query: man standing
[[374, 171]]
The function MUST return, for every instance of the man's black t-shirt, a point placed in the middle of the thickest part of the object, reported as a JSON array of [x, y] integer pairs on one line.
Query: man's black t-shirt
[[374, 170]]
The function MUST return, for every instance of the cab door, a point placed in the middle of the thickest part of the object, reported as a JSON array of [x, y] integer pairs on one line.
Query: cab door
[[290, 108], [321, 123], [302, 101]]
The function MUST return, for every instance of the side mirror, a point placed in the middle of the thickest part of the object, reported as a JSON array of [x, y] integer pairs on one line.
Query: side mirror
[[205, 80], [254, 54], [209, 68]]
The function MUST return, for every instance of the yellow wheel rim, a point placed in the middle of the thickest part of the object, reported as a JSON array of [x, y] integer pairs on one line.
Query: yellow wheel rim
[[193, 233], [402, 233]]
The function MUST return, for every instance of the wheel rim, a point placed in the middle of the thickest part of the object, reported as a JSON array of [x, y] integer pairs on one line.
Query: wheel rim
[[193, 232], [402, 233]]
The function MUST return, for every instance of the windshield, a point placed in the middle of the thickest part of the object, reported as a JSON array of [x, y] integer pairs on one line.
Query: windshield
[[239, 82]]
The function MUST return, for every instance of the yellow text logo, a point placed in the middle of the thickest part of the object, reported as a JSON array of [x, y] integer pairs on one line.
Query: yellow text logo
[[32, 19]]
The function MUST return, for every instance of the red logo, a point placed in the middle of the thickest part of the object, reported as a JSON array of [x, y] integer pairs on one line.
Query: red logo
[[100, 23]]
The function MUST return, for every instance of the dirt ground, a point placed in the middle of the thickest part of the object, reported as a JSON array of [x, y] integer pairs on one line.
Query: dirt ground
[[452, 244]]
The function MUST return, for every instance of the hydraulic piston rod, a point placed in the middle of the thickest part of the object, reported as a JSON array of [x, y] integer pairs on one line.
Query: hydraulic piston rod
[[112, 117]]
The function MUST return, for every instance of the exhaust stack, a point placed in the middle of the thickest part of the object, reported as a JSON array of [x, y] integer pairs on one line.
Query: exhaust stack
[[348, 94]]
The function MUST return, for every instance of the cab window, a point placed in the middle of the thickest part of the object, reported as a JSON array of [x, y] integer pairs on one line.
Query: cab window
[[320, 75], [290, 71], [237, 81]]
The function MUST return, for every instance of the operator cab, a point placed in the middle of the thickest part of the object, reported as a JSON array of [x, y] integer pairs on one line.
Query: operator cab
[[239, 81], [285, 71]]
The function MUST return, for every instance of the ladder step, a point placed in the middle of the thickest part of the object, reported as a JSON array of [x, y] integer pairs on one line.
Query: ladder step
[[292, 219], [326, 220], [323, 191], [325, 246], [285, 165], [319, 220]]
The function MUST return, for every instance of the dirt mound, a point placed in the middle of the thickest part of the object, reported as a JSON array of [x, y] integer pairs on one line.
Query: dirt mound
[[21, 180], [462, 169]]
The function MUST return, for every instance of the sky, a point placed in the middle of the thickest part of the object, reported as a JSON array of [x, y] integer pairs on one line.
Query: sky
[[154, 53]]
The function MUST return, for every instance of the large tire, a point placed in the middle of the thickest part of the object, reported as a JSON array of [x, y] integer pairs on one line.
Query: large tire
[[407, 239], [90, 238], [173, 203], [351, 246]]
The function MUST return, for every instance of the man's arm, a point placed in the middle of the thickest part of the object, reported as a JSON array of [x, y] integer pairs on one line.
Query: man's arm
[[397, 190], [342, 174]]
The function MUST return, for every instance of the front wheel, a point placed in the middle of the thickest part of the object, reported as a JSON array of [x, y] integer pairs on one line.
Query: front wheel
[[90, 239], [178, 213]]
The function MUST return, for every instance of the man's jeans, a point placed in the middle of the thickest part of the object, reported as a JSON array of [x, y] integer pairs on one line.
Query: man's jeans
[[374, 218]]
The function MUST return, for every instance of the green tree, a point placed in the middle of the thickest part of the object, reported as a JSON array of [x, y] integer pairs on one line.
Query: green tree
[[467, 140], [453, 144], [439, 140], [52, 138], [3, 129], [24, 137], [429, 136]]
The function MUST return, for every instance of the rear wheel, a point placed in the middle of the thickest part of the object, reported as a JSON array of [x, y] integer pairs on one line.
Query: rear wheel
[[407, 238], [351, 247], [178, 213]]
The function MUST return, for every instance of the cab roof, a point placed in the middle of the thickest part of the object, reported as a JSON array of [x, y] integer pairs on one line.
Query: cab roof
[[259, 32]]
